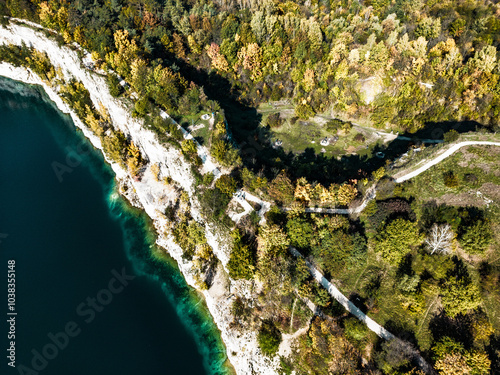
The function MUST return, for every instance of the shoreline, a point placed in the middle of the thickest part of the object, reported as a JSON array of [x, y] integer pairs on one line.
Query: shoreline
[[241, 347]]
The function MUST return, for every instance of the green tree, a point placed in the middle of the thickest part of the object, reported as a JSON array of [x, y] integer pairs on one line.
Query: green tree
[[460, 296], [241, 263], [450, 136], [269, 338], [396, 239], [281, 189], [300, 232], [226, 184], [304, 111], [477, 238]]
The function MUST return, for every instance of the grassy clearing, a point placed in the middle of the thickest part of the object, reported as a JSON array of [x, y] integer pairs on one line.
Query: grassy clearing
[[301, 134], [473, 167], [203, 134]]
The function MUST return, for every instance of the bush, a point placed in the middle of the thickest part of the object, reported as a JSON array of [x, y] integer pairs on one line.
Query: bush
[[354, 329], [241, 263], [227, 185], [477, 238], [115, 89], [450, 136], [274, 120], [239, 309], [141, 107], [471, 178], [451, 179], [213, 204], [335, 124], [304, 111], [359, 138], [269, 338], [208, 178]]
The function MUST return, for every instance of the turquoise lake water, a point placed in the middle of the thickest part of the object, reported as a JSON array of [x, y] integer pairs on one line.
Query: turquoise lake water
[[90, 297]]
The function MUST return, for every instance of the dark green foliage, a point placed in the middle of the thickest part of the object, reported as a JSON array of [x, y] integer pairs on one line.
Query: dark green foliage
[[213, 204], [451, 136], [227, 185], [451, 179], [269, 338], [241, 263], [115, 89], [274, 120], [300, 232]]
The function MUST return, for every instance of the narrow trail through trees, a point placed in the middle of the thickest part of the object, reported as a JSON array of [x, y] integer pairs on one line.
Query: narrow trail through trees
[[334, 291]]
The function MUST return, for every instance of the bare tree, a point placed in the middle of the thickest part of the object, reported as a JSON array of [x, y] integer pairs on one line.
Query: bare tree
[[440, 239]]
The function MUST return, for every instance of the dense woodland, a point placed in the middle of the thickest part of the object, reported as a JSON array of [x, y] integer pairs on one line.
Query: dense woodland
[[424, 270]]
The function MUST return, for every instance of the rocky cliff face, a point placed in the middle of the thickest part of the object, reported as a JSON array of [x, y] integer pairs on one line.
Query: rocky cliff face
[[242, 348]]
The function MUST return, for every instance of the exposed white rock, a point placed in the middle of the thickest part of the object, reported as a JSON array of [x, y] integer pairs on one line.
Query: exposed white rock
[[151, 195]]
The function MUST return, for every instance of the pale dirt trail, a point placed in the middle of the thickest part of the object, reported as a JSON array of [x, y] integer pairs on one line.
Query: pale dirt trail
[[443, 156]]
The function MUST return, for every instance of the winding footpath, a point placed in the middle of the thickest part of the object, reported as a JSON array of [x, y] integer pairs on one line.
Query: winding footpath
[[443, 156], [335, 292]]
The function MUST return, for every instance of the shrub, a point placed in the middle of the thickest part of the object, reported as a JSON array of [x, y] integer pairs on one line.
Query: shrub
[[450, 136], [269, 338], [227, 185], [354, 329], [281, 189], [359, 138], [241, 263], [477, 238], [451, 179], [239, 309], [115, 89], [333, 125], [304, 111], [471, 178], [208, 178], [274, 120]]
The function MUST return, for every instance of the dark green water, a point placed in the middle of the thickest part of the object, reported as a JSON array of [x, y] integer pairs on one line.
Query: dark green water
[[69, 237]]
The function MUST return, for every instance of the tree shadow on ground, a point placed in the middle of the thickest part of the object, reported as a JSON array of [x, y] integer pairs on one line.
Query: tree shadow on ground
[[458, 328], [436, 130], [259, 153]]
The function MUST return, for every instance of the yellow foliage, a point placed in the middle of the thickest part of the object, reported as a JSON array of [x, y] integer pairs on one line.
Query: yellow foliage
[[309, 80], [155, 170], [452, 364], [250, 58], [46, 15], [303, 190], [346, 194], [193, 46]]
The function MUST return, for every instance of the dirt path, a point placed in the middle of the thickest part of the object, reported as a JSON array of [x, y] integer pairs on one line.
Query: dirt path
[[369, 322], [441, 157]]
